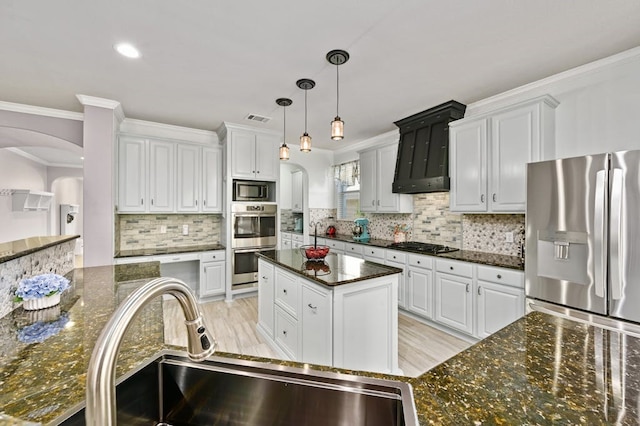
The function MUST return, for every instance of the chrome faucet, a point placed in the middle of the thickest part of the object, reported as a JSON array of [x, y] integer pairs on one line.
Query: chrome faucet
[[101, 374]]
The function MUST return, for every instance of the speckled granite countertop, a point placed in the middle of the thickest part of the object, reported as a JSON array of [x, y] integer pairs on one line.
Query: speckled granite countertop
[[167, 250], [541, 369], [337, 269], [15, 249], [491, 259]]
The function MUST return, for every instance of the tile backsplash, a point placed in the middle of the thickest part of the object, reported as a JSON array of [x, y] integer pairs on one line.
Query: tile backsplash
[[143, 231], [431, 221]]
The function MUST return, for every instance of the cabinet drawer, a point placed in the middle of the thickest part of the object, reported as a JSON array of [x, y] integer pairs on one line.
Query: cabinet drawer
[[355, 249], [421, 261], [297, 237], [501, 275], [321, 241], [134, 259], [287, 292], [396, 256], [286, 332], [212, 256], [285, 235], [455, 268], [374, 252], [335, 244], [171, 258]]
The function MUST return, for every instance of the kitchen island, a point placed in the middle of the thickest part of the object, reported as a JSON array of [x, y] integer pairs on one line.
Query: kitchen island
[[341, 311]]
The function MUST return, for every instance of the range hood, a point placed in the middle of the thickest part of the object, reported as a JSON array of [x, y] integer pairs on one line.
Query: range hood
[[422, 164]]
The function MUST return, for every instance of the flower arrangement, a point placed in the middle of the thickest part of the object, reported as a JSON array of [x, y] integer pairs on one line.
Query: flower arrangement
[[43, 285], [41, 331], [400, 232]]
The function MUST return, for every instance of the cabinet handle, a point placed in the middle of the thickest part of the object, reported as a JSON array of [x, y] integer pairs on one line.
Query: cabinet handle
[[378, 202], [284, 332], [409, 274], [141, 200], [494, 198], [418, 262], [373, 202], [264, 277], [205, 203], [393, 257], [499, 276], [285, 291], [451, 267], [196, 202], [482, 198], [467, 288], [479, 291], [312, 307], [152, 201], [257, 171]]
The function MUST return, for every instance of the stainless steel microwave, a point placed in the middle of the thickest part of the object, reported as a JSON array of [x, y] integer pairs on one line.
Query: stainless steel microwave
[[245, 190]]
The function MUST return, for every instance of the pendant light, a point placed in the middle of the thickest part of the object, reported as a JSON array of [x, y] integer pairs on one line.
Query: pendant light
[[305, 140], [337, 58], [284, 149]]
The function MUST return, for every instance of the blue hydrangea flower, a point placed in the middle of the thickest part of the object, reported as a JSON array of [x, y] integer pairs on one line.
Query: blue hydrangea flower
[[40, 331], [41, 286]]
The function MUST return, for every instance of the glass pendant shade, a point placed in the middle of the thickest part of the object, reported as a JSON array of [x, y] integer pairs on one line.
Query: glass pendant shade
[[337, 129], [284, 152], [305, 142]]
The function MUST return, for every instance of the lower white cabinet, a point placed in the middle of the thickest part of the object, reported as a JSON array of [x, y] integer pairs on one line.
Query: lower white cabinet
[[212, 274], [285, 240], [317, 316], [500, 299], [266, 288], [286, 332], [398, 259], [420, 285], [454, 302]]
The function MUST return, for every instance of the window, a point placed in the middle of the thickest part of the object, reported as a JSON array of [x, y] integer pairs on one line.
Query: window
[[347, 179]]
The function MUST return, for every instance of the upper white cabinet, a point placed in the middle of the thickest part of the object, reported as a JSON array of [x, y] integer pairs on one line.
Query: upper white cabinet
[[377, 167], [296, 191], [489, 153], [168, 177], [254, 155]]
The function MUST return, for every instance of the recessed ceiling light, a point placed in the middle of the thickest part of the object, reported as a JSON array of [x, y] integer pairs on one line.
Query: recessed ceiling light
[[126, 49]]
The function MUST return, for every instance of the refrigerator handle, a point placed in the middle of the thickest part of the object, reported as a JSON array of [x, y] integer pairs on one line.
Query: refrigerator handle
[[599, 224], [618, 266]]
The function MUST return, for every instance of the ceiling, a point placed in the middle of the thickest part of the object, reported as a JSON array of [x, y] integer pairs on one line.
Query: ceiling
[[204, 61]]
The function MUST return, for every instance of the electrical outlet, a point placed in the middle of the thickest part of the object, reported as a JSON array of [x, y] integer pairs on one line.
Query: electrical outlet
[[508, 237], [185, 229], [163, 229]]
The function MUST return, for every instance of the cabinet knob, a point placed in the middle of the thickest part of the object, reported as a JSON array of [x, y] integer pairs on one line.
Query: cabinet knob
[[258, 171], [418, 262], [264, 277], [451, 267], [204, 202], [284, 332], [393, 257], [373, 202], [284, 291], [378, 202], [499, 276], [141, 200], [196, 202], [152, 201]]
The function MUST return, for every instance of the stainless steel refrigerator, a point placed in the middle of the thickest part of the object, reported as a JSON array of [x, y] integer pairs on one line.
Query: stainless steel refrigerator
[[583, 233]]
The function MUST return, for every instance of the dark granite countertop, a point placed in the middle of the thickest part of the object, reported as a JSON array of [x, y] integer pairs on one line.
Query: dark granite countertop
[[167, 250], [540, 370], [336, 269], [480, 257], [15, 249]]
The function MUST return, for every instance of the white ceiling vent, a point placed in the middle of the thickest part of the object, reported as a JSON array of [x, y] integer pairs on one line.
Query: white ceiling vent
[[256, 117]]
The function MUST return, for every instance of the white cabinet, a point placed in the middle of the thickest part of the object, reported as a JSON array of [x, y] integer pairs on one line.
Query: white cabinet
[[161, 176], [398, 259], [254, 155], [335, 246], [420, 285], [297, 240], [212, 270], [353, 249], [317, 319], [285, 240], [377, 167], [500, 299], [266, 289], [188, 183], [211, 180], [132, 175], [489, 153], [296, 191], [286, 333], [453, 295]]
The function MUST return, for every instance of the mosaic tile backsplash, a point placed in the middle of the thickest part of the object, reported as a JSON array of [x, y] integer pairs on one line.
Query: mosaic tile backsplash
[[143, 231], [431, 221], [52, 260]]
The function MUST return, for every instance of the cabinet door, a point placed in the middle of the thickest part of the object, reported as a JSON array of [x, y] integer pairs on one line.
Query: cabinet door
[[317, 325], [266, 298], [243, 154], [132, 175], [468, 165], [454, 302], [161, 176], [188, 188], [387, 201], [211, 180], [212, 279], [402, 282], [296, 191], [420, 285], [368, 181], [286, 333], [498, 306], [515, 135], [267, 160]]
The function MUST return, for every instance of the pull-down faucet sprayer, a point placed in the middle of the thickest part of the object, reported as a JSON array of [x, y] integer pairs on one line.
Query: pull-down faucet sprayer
[[100, 393]]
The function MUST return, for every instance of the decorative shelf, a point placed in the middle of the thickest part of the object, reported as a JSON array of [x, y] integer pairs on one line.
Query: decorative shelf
[[27, 200]]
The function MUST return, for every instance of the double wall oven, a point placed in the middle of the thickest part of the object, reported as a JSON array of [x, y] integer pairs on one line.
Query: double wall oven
[[253, 230]]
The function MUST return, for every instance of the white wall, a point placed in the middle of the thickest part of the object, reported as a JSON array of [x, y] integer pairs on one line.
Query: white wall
[[67, 190], [318, 164], [17, 172]]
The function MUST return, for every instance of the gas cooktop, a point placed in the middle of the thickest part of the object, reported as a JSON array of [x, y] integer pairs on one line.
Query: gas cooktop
[[423, 247]]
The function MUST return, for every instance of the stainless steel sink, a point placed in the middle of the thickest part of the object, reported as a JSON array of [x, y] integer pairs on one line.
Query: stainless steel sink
[[176, 391]]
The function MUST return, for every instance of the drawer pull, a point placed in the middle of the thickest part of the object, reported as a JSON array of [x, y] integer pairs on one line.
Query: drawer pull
[[479, 291], [312, 307], [175, 258], [394, 257], [499, 276], [284, 332], [418, 262], [284, 291], [451, 267], [264, 277], [467, 288]]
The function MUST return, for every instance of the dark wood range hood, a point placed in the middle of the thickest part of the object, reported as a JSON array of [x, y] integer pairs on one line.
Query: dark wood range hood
[[422, 164]]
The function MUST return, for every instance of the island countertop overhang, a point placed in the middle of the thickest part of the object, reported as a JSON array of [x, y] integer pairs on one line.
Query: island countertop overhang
[[336, 269]]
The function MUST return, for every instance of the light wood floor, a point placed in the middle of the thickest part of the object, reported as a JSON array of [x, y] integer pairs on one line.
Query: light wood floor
[[420, 347]]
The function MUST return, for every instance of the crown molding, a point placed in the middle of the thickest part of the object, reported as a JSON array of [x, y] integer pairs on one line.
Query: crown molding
[[226, 126], [39, 160], [167, 131], [373, 142], [86, 100], [37, 110]]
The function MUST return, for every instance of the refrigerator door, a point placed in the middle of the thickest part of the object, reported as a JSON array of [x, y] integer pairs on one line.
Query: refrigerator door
[[566, 232], [624, 240]]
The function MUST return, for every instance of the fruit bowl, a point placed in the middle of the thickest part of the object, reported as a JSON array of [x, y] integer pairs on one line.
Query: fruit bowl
[[314, 253]]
